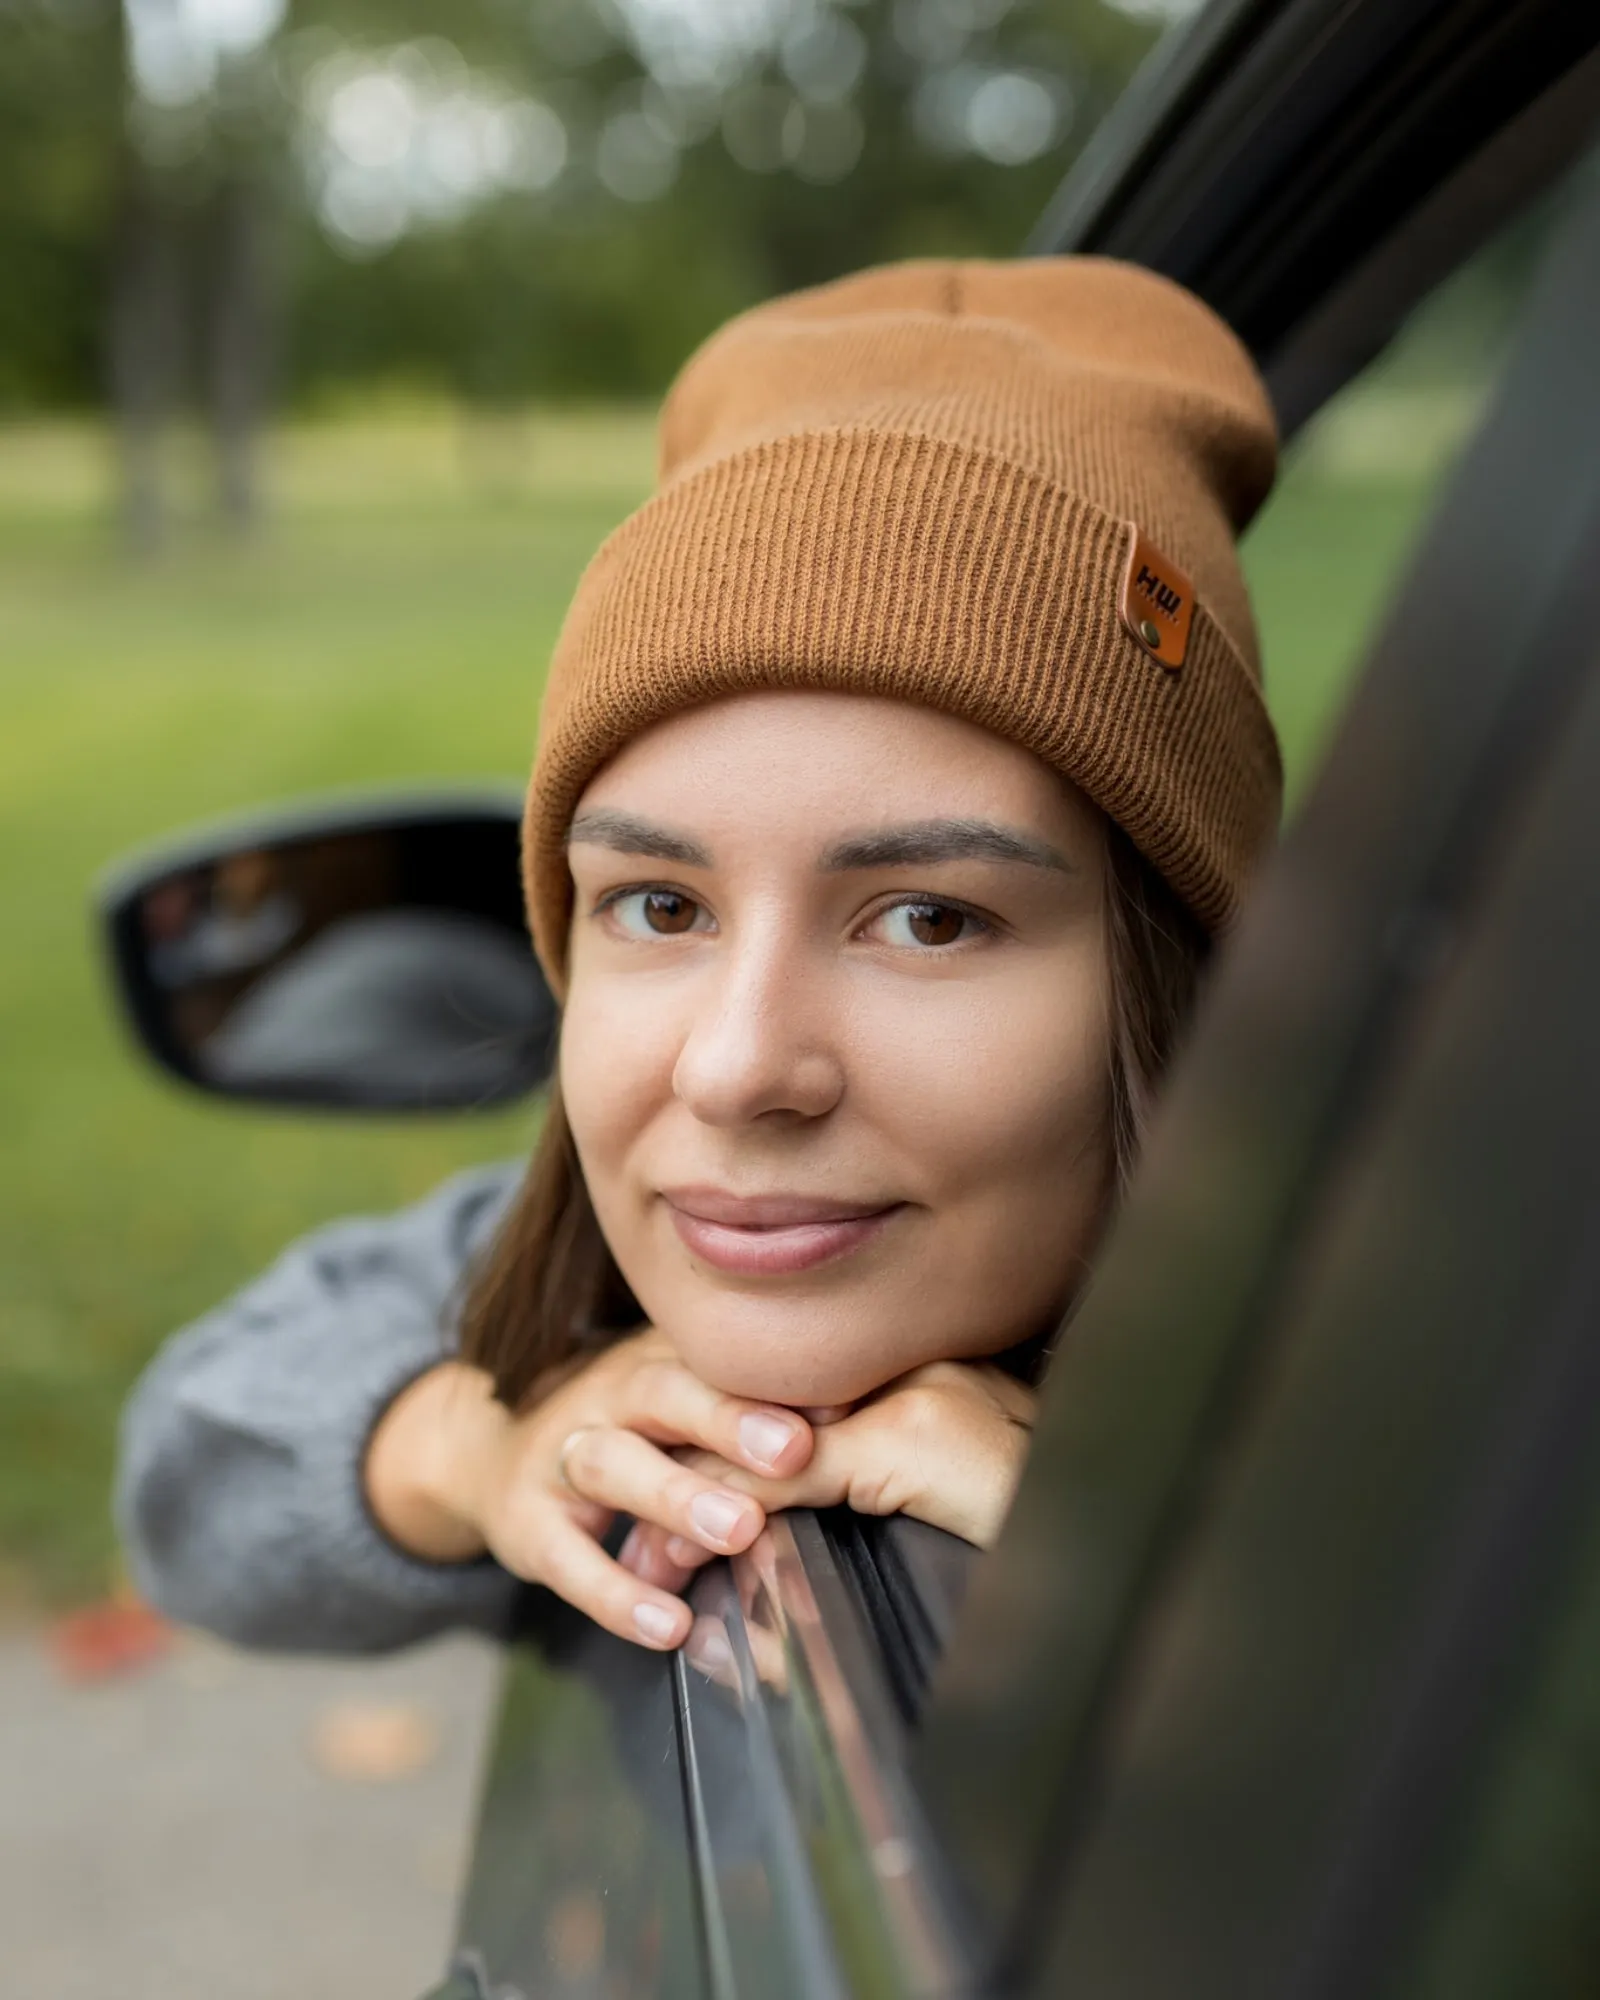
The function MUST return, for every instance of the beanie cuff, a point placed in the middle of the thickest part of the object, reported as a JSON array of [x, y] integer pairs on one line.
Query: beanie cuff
[[887, 563]]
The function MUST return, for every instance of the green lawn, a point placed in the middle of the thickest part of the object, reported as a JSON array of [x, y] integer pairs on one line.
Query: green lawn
[[392, 624]]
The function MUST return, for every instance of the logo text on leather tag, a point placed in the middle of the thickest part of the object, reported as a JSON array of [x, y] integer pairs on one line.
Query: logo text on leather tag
[[1157, 602]]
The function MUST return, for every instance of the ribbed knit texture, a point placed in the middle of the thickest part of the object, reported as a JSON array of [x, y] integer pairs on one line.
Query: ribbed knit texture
[[922, 482]]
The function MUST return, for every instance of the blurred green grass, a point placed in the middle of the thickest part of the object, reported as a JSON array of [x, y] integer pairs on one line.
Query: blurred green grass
[[391, 624]]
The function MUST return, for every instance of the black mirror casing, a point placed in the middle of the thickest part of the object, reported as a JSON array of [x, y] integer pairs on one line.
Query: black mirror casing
[[355, 954]]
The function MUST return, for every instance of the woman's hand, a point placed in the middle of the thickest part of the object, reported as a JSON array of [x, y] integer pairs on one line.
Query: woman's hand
[[451, 1474], [946, 1444]]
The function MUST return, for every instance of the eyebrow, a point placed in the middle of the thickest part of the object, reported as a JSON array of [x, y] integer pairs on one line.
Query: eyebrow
[[922, 843], [627, 834]]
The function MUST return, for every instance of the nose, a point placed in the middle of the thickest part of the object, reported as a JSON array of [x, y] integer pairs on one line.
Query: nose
[[759, 1043]]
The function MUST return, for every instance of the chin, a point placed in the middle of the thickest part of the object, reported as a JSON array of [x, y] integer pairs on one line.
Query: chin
[[792, 1365], [776, 1379]]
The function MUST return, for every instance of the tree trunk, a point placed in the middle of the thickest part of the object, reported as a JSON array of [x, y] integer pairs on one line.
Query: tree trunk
[[238, 344], [144, 343]]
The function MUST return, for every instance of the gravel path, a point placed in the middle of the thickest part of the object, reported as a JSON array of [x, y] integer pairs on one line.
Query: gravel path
[[178, 1834]]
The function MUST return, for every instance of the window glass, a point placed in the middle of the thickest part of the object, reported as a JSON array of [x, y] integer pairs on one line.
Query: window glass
[[1514, 1910], [1357, 486], [1519, 1913]]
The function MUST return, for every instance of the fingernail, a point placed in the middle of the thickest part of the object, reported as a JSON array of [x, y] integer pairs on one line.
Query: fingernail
[[708, 1649], [763, 1438], [654, 1624], [683, 1552], [716, 1516], [632, 1544]]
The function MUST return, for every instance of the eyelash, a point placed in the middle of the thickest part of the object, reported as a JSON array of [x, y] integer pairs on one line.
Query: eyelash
[[628, 891], [984, 926]]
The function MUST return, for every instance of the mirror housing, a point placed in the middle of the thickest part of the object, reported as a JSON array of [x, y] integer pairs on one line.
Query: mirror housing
[[355, 954]]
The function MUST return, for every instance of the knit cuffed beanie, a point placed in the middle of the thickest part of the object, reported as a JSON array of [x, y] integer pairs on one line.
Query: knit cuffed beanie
[[1009, 491]]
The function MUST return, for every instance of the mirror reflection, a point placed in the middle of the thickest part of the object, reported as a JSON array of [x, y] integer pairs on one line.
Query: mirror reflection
[[377, 965]]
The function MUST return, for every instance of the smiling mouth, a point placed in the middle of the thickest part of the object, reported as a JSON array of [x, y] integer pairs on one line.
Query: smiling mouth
[[771, 1235]]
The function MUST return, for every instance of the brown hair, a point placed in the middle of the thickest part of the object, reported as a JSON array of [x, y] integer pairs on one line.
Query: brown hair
[[549, 1289]]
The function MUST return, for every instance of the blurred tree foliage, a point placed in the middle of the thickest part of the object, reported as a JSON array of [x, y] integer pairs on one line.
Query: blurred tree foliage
[[516, 197], [60, 127]]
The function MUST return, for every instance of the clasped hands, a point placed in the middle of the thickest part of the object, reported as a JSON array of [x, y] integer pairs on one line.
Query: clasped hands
[[451, 1474]]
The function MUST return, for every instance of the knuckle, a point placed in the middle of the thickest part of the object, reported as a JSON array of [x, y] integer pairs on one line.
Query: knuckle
[[922, 1404], [871, 1492], [929, 1374], [681, 1488]]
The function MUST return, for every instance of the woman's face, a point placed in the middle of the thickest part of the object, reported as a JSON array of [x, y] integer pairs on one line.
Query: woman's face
[[834, 1049]]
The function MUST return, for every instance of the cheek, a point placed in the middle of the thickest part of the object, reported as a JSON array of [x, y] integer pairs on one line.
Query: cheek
[[1011, 1125], [999, 1093], [616, 1072]]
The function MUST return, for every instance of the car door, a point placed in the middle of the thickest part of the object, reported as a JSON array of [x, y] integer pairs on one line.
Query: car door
[[1316, 1474]]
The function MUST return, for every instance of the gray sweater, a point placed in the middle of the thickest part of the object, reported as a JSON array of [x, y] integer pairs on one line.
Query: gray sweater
[[238, 1489]]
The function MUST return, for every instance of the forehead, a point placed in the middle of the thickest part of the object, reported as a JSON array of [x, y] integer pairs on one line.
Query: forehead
[[802, 764]]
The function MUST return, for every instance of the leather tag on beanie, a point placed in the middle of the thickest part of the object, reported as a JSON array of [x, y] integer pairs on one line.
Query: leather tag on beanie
[[1157, 602]]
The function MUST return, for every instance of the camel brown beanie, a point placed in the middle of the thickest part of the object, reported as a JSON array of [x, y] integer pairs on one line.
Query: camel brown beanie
[[1007, 490]]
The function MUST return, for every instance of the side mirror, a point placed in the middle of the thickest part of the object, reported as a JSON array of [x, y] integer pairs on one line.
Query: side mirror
[[365, 954]]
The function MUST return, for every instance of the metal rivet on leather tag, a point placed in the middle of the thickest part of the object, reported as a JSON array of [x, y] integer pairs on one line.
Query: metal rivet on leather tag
[[1157, 602]]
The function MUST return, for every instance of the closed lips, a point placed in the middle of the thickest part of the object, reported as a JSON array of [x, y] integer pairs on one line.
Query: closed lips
[[772, 1235], [767, 1211]]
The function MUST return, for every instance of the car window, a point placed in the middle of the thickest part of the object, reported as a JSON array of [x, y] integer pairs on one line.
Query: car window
[[1515, 1916], [1358, 483], [1291, 1065]]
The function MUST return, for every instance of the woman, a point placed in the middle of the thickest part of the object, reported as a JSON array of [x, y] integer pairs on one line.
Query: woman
[[900, 758]]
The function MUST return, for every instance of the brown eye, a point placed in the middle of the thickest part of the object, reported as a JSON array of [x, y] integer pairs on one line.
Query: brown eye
[[927, 926], [934, 923], [643, 914], [667, 913]]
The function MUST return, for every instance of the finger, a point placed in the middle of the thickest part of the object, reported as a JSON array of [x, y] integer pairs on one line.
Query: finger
[[647, 1553], [818, 1484], [669, 1561], [966, 1381], [772, 1663], [667, 1402], [708, 1651], [685, 1554], [626, 1473], [1017, 1399], [881, 1460], [952, 1461], [579, 1570]]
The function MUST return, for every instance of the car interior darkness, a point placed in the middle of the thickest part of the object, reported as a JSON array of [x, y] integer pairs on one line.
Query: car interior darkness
[[1284, 1678]]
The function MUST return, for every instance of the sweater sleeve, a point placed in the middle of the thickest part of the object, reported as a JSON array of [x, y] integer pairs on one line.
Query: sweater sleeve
[[238, 1490]]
